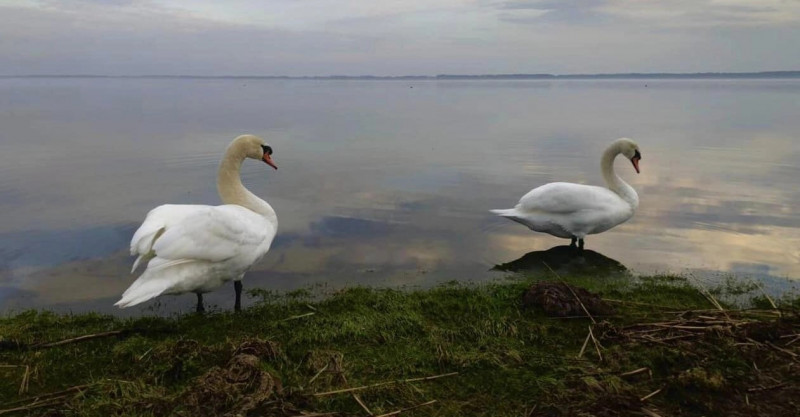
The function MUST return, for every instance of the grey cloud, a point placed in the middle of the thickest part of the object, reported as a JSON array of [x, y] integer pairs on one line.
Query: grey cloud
[[673, 14], [77, 4], [136, 37], [551, 4], [568, 11], [54, 41]]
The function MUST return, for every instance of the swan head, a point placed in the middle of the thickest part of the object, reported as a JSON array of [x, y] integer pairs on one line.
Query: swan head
[[254, 147], [630, 150]]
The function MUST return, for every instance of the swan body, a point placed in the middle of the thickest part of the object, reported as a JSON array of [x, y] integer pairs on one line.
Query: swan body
[[197, 248], [573, 211]]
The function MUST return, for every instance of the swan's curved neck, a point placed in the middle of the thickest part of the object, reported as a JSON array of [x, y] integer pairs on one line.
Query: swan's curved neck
[[230, 187], [613, 181]]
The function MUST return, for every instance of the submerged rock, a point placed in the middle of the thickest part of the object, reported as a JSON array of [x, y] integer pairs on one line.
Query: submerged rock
[[566, 260]]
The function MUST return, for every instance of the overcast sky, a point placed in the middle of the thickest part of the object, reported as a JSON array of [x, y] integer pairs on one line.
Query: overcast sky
[[396, 37]]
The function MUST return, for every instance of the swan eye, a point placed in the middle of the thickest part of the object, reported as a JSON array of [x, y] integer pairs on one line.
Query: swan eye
[[637, 155], [267, 149]]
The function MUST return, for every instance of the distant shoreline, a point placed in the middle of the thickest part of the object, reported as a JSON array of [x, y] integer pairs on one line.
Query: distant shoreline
[[615, 76]]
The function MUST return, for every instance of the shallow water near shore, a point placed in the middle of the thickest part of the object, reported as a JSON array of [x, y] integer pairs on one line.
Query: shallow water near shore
[[386, 185]]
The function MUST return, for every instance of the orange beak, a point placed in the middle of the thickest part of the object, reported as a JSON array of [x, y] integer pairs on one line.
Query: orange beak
[[635, 162], [268, 159]]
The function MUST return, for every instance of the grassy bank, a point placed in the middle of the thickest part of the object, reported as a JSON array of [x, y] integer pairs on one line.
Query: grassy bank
[[659, 346]]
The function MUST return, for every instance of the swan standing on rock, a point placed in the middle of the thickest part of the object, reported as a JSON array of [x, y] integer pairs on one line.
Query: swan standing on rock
[[573, 211], [197, 248]]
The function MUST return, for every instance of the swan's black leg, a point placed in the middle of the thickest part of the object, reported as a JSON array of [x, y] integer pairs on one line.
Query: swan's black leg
[[200, 307], [237, 286], [580, 243], [574, 239]]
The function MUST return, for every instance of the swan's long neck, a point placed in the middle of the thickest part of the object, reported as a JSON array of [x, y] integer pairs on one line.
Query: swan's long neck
[[613, 181], [230, 187]]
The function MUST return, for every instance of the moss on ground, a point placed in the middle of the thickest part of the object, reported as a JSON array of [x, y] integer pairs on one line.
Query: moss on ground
[[664, 338]]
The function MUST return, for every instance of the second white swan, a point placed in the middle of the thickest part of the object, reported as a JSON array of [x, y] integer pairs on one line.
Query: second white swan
[[573, 211], [196, 248]]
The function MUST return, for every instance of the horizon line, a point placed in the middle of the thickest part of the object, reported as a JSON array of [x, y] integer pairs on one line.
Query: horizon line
[[706, 74]]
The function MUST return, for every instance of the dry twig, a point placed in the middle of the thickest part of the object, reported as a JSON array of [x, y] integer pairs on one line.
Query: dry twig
[[709, 296], [299, 316], [43, 400], [585, 343], [23, 386], [611, 300], [636, 372], [772, 303], [427, 378], [394, 413], [650, 395], [33, 405], [786, 351], [596, 344], [771, 387], [319, 373], [77, 339], [650, 413], [361, 403]]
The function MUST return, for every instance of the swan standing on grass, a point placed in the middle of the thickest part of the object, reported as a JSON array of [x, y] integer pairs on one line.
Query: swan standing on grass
[[197, 248], [573, 211]]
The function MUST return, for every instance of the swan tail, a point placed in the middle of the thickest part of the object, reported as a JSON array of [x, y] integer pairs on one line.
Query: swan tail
[[505, 212], [514, 215], [160, 276], [146, 290]]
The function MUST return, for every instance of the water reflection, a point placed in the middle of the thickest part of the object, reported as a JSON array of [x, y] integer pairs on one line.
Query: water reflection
[[565, 260], [385, 185]]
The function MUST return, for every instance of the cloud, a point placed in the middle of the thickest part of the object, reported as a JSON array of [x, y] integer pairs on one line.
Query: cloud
[[653, 14], [567, 11], [155, 40], [395, 37], [705, 13]]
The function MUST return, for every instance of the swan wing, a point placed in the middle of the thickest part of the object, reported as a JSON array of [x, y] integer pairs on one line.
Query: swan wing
[[566, 198], [200, 233], [154, 225]]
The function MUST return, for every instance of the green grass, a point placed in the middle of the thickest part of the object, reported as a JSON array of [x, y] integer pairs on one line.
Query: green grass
[[510, 360]]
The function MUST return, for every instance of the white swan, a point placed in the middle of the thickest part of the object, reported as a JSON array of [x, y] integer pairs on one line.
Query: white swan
[[197, 248], [573, 211]]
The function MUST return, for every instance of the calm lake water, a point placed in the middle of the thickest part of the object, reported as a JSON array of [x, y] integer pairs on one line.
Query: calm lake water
[[388, 185]]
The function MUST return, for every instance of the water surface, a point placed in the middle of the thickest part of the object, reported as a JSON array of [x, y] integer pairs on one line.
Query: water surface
[[389, 183]]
